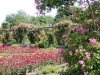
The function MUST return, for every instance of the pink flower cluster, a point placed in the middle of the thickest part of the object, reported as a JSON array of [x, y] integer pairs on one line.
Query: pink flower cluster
[[60, 51], [81, 62], [12, 49], [76, 51], [81, 30], [63, 37], [96, 2], [22, 25], [20, 60], [87, 54], [70, 53], [37, 6], [92, 41], [85, 73], [79, 1], [37, 2]]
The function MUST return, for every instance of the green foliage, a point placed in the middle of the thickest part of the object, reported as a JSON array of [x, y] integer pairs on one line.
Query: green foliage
[[50, 69], [15, 19], [59, 30], [33, 35], [21, 16], [47, 5], [82, 51], [1, 38], [50, 36], [32, 45], [41, 20], [20, 31], [43, 44], [15, 45], [62, 14], [6, 38], [5, 25], [26, 40], [1, 44]]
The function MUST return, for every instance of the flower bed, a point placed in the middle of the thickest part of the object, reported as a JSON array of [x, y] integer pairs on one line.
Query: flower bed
[[11, 49], [23, 58]]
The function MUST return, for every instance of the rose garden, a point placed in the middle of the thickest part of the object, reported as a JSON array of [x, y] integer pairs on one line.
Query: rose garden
[[70, 47]]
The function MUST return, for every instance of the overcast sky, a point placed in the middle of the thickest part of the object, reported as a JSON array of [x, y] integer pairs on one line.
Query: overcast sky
[[12, 6]]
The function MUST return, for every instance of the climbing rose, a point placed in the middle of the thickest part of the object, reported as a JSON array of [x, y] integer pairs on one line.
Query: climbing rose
[[95, 3], [85, 73], [70, 53], [63, 60], [98, 43], [60, 51], [81, 62], [63, 37], [92, 41], [37, 2], [87, 54], [76, 51]]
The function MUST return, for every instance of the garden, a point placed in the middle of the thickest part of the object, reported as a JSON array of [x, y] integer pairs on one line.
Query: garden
[[70, 47]]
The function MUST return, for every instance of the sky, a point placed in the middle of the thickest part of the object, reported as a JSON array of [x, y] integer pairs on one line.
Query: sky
[[12, 6]]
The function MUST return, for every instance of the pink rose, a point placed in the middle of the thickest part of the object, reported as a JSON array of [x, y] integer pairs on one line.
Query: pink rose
[[85, 73], [70, 53], [81, 62], [76, 51], [92, 41]]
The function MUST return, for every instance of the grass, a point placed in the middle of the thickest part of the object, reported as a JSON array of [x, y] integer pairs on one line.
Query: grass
[[1, 44], [48, 69], [2, 54], [15, 45]]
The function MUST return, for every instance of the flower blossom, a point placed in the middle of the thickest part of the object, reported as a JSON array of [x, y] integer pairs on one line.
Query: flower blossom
[[63, 60], [70, 53], [85, 73], [79, 1], [68, 41], [87, 54], [98, 43], [76, 51], [81, 62], [96, 2], [60, 51], [81, 30], [37, 2], [63, 37], [92, 41]]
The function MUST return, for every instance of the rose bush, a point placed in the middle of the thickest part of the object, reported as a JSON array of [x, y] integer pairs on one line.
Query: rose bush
[[82, 53], [15, 64], [11, 49], [20, 31]]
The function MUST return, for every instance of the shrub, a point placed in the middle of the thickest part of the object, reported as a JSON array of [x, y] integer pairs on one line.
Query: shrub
[[20, 31], [6, 38], [33, 35], [82, 46], [59, 30]]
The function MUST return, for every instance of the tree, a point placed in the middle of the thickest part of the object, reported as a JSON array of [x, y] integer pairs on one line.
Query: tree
[[9, 21], [15, 19], [21, 16], [62, 14], [41, 20], [48, 4]]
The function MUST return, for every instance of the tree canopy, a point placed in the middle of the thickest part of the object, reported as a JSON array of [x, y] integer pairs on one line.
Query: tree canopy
[[21, 16], [15, 19], [48, 4]]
